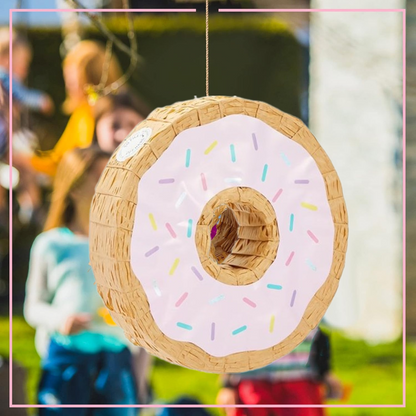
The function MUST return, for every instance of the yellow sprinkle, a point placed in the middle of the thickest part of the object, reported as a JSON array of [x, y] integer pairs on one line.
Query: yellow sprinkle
[[152, 221], [271, 328], [174, 266], [309, 206], [210, 147]]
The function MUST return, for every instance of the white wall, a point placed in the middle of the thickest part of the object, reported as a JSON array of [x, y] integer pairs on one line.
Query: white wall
[[355, 97]]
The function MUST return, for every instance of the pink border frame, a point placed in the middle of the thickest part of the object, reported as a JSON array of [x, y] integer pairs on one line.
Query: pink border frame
[[11, 405]]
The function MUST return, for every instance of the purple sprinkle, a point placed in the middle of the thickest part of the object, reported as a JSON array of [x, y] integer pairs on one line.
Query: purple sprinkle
[[197, 274], [213, 331], [301, 181], [168, 180], [152, 251], [213, 231], [293, 298], [255, 141]]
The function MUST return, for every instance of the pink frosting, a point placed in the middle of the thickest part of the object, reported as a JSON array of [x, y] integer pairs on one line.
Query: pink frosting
[[188, 304]]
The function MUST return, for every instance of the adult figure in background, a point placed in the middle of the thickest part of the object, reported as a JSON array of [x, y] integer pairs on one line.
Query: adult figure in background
[[82, 66], [115, 117]]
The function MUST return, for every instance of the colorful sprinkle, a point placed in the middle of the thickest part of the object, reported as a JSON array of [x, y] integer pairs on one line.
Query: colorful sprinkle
[[204, 182], [151, 251], [313, 236], [311, 265], [263, 176], [255, 141], [271, 327], [301, 181], [184, 326], [292, 219], [171, 230], [249, 302], [217, 299], [285, 159], [292, 301], [152, 221], [180, 199], [238, 330], [189, 233], [210, 147], [213, 231], [181, 299], [167, 180], [174, 266], [278, 193], [275, 287], [232, 150], [289, 259], [232, 180], [213, 331], [196, 273], [309, 206], [188, 158], [156, 288]]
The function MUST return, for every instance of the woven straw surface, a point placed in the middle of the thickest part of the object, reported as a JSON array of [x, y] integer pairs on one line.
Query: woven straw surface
[[247, 239], [111, 225]]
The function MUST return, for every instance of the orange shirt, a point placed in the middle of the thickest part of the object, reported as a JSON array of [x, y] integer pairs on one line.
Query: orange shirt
[[79, 132]]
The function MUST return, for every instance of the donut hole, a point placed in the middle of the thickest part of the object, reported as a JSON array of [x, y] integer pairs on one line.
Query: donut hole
[[224, 234], [237, 236]]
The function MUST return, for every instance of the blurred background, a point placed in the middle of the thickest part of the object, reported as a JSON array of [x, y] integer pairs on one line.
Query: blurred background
[[341, 73]]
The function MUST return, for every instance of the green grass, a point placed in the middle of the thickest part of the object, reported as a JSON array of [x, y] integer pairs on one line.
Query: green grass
[[375, 372], [23, 351]]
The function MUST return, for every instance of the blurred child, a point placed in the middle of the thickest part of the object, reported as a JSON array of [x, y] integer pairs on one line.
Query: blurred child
[[24, 141], [82, 66], [115, 116], [85, 357], [4, 121], [22, 56], [297, 378]]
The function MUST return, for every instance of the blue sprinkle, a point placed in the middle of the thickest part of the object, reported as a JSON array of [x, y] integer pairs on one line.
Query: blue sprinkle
[[238, 330], [285, 159], [217, 299], [232, 150], [263, 178], [184, 326], [292, 219], [276, 287], [189, 234], [311, 265], [188, 158]]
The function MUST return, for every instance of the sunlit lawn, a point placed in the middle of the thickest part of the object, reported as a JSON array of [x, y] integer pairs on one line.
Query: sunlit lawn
[[375, 372]]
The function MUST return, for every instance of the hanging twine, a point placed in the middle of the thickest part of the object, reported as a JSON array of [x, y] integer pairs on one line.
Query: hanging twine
[[206, 49], [96, 91]]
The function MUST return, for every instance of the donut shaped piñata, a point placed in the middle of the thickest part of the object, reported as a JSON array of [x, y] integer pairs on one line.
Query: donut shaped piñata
[[218, 234]]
